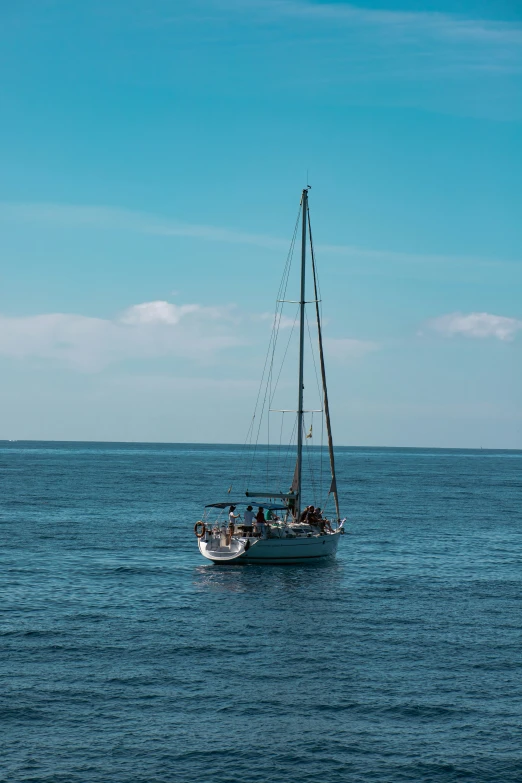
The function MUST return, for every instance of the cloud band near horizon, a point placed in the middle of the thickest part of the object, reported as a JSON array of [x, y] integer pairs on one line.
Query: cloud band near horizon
[[148, 330]]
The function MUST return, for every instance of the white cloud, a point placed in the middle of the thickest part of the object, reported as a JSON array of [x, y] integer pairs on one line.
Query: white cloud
[[157, 313], [342, 349], [147, 330], [283, 321], [407, 46], [478, 325], [431, 24]]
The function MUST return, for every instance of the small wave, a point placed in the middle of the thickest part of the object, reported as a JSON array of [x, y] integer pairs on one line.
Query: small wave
[[421, 710], [136, 570], [22, 713], [31, 633]]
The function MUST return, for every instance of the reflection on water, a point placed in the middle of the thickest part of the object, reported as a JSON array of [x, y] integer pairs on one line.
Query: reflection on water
[[322, 575]]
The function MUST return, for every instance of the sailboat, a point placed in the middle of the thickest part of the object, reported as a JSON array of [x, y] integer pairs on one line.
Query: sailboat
[[290, 532]]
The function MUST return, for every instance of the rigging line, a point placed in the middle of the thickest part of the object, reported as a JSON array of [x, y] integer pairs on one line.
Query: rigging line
[[284, 357], [314, 262], [264, 370], [323, 508], [243, 449], [321, 467], [256, 406], [281, 293], [279, 305], [267, 448], [312, 464], [291, 249], [317, 282], [311, 470], [263, 409], [278, 466], [279, 315], [319, 393], [270, 388], [289, 447], [282, 287], [313, 358], [260, 417], [267, 379]]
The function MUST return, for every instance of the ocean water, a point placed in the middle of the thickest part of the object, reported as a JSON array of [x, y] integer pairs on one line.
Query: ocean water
[[125, 657]]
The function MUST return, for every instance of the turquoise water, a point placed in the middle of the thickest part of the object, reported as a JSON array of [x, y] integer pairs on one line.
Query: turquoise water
[[125, 657]]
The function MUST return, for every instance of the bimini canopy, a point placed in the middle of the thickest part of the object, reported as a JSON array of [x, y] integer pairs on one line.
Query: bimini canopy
[[246, 503]]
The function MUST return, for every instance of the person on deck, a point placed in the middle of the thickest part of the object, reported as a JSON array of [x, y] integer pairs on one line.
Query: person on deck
[[319, 521], [260, 523], [328, 525], [248, 517], [304, 514], [311, 518], [231, 516]]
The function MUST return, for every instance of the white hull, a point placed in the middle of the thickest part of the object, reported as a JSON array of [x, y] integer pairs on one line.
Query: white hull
[[273, 550]]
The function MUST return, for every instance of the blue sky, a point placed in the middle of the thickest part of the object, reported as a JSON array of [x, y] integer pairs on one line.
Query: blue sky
[[152, 157]]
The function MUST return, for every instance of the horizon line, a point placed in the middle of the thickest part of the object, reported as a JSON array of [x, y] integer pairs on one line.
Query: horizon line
[[243, 446]]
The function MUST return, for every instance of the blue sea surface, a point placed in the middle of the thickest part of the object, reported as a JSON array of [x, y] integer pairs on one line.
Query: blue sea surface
[[126, 657]]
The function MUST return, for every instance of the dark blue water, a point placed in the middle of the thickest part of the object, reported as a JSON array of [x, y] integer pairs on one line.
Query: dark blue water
[[125, 657]]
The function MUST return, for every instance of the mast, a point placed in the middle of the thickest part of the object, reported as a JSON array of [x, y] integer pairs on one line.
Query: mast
[[299, 464], [333, 485]]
